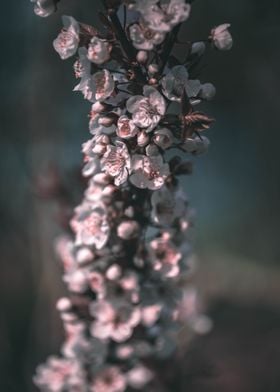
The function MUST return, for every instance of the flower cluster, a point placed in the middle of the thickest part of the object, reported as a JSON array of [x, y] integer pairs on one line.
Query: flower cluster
[[130, 233]]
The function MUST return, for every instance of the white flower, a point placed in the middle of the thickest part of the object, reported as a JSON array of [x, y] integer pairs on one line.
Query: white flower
[[110, 379], [126, 128], [147, 110], [91, 225], [115, 320], [177, 81], [149, 172], [99, 50], [116, 162], [97, 87], [166, 15], [221, 37], [67, 42], [44, 8], [144, 38], [163, 138]]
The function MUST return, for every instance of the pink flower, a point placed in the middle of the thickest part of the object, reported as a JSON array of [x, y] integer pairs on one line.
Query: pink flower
[[91, 225], [144, 38], [97, 87], [149, 172], [221, 37], [147, 110], [126, 128], [115, 320], [128, 229], [116, 162], [164, 16], [150, 314], [67, 43], [58, 375], [163, 138], [139, 377]]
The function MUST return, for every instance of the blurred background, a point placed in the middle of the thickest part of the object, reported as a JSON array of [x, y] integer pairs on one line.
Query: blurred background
[[234, 190]]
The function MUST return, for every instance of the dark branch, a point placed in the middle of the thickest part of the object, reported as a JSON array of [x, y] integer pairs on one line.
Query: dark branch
[[126, 45]]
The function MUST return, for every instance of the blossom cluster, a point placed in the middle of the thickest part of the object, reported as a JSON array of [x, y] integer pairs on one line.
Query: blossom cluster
[[130, 244]]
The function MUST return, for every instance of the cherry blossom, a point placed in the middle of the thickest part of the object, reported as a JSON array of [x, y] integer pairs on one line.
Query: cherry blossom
[[67, 43], [58, 374], [221, 37], [166, 15], [144, 38], [129, 244], [163, 137], [115, 320], [177, 81], [82, 66], [128, 230], [44, 8], [116, 162], [149, 172], [147, 110], [126, 128], [139, 377], [96, 87], [99, 50], [91, 225]]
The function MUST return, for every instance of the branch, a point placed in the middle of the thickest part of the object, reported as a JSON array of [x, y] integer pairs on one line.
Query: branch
[[169, 46], [126, 45]]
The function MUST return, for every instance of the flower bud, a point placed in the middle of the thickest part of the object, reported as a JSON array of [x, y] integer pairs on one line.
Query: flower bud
[[153, 69], [114, 272], [142, 56], [142, 139], [106, 121], [198, 48], [163, 138], [128, 230], [208, 91], [84, 255], [64, 305], [98, 107], [101, 179]]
